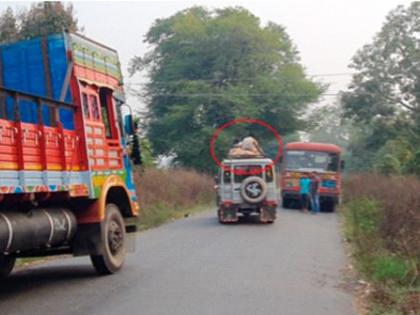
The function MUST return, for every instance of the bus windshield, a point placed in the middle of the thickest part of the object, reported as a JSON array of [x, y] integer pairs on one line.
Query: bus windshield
[[311, 161]]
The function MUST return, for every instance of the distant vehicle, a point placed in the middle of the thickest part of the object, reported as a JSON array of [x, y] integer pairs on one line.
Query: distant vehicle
[[66, 184], [305, 157], [247, 187]]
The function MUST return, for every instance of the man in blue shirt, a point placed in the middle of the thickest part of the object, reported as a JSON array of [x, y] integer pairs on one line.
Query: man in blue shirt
[[305, 187]]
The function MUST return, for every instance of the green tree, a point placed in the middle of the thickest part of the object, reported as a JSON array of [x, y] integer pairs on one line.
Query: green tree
[[365, 141], [413, 165], [8, 26], [208, 67], [328, 126], [387, 80], [42, 18], [392, 157], [49, 17], [383, 98], [147, 157]]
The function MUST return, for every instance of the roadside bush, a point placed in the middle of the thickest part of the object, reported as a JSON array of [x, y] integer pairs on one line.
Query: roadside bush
[[413, 165], [398, 203], [170, 193], [389, 268], [362, 218], [382, 222]]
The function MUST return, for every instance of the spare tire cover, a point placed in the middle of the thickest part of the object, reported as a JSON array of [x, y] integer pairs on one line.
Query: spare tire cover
[[253, 189]]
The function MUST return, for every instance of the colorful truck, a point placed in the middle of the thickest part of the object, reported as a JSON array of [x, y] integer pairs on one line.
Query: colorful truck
[[304, 158], [66, 182]]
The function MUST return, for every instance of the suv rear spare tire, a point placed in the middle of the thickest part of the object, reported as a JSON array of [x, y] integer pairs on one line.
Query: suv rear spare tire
[[253, 189]]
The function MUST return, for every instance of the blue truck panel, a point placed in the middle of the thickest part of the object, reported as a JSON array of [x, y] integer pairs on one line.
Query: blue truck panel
[[57, 57], [23, 69]]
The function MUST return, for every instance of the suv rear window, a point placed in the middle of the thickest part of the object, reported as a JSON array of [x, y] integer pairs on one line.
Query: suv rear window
[[269, 174], [226, 176], [244, 171]]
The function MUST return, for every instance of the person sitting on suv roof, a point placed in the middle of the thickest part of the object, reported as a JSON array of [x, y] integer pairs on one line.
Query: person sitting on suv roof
[[249, 146]]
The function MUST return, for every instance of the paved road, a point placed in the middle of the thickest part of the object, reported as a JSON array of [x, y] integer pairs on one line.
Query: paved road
[[196, 266]]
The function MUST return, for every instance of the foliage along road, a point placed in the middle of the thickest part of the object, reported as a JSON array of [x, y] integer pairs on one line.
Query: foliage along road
[[196, 266]]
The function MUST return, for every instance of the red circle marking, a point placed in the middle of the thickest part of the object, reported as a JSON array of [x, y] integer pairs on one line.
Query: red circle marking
[[245, 121]]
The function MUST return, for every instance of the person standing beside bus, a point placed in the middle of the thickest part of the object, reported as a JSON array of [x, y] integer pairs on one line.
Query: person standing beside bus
[[314, 193], [304, 190]]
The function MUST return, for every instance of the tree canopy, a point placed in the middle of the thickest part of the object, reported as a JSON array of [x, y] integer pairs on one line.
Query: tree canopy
[[8, 26], [387, 82], [42, 18], [384, 96], [207, 67]]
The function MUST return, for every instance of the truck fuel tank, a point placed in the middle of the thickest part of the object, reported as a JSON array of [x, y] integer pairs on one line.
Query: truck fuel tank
[[36, 229]]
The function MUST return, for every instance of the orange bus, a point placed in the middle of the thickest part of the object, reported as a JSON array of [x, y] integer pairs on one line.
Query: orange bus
[[307, 157]]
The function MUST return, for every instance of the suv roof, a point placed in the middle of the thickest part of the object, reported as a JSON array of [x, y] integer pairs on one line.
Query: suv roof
[[247, 161]]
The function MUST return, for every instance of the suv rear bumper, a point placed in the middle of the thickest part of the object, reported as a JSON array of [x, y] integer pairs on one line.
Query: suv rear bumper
[[232, 212]]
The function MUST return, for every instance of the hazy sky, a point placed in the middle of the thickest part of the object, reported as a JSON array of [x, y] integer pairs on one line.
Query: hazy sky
[[326, 32]]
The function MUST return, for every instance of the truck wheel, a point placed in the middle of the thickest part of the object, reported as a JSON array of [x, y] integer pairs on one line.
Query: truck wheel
[[328, 206], [113, 242], [6, 265], [219, 217], [266, 216], [331, 207]]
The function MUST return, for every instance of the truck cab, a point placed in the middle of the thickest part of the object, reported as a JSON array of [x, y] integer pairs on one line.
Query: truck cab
[[304, 158], [66, 182]]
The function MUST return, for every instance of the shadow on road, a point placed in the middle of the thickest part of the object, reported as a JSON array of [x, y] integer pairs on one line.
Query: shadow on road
[[41, 277]]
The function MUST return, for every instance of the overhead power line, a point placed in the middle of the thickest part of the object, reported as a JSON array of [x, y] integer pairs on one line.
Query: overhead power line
[[337, 74], [230, 94], [249, 80]]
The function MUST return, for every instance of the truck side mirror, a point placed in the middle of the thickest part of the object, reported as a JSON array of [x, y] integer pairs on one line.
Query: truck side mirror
[[342, 164], [128, 124]]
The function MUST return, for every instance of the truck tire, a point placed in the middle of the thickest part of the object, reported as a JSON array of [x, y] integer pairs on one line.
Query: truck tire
[[219, 217], [6, 265], [112, 242], [285, 203], [267, 216], [328, 206], [253, 189], [331, 207]]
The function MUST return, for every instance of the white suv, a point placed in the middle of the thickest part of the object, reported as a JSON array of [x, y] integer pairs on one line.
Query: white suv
[[247, 187]]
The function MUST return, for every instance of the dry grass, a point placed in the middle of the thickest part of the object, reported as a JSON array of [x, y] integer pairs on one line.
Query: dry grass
[[172, 193], [382, 216], [398, 199]]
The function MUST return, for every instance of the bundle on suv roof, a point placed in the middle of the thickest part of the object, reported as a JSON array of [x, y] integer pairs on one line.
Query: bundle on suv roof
[[245, 149]]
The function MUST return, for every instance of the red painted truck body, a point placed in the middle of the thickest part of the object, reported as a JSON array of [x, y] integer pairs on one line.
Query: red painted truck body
[[64, 165]]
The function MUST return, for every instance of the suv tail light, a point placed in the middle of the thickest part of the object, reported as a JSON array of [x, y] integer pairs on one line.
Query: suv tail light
[[270, 203]]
